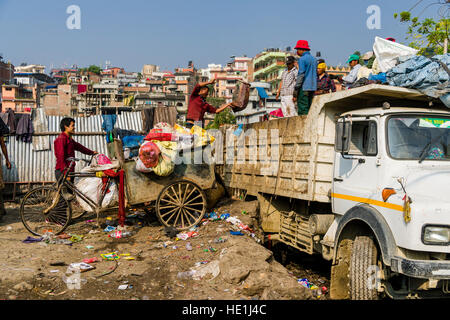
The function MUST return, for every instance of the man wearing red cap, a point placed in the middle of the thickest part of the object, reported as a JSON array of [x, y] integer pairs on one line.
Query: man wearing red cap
[[307, 78]]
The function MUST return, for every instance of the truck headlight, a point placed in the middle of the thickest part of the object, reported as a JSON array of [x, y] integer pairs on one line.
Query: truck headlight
[[437, 235]]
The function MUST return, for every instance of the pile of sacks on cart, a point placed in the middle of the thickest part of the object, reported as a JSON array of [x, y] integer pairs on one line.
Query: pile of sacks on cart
[[155, 152]]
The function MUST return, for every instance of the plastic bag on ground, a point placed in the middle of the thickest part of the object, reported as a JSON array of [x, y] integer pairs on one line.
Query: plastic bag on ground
[[387, 53], [210, 268]]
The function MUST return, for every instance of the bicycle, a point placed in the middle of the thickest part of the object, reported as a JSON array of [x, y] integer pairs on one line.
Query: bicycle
[[47, 208]]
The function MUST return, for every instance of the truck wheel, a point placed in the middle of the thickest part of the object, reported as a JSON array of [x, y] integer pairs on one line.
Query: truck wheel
[[363, 257]]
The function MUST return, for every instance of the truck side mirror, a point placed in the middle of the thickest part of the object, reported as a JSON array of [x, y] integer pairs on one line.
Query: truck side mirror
[[343, 136]]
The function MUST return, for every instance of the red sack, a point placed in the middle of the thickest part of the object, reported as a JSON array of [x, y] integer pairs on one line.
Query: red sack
[[157, 134], [149, 154]]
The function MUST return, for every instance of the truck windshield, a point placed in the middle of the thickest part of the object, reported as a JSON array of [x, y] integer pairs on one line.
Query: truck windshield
[[419, 138]]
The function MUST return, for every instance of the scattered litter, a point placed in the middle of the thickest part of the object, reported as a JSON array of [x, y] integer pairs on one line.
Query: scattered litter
[[198, 264], [126, 256], [171, 232], [186, 275], [54, 271], [123, 287], [110, 256], [9, 228], [91, 260], [211, 268], [244, 212], [188, 246], [89, 247], [236, 233], [63, 236], [119, 234], [90, 221], [109, 229], [76, 238], [32, 240], [57, 264], [220, 240], [93, 231], [79, 267]]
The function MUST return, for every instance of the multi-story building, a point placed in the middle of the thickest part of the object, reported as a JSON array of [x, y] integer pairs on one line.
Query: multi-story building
[[112, 72], [268, 66], [31, 68], [148, 70], [6, 72], [61, 73], [58, 101], [23, 94]]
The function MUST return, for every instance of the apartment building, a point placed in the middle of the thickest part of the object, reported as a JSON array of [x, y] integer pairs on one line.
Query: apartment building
[[268, 67]]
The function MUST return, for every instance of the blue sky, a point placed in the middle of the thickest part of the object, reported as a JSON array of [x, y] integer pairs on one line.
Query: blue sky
[[169, 33]]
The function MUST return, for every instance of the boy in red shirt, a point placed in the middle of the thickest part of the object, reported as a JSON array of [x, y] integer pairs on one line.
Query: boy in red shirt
[[65, 147]]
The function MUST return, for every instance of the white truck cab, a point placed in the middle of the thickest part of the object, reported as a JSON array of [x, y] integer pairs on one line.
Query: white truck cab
[[393, 165]]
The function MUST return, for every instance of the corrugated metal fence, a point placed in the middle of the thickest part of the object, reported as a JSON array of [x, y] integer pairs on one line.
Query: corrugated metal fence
[[30, 166]]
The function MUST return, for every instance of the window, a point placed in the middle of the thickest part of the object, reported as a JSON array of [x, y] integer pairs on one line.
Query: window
[[416, 137], [363, 138]]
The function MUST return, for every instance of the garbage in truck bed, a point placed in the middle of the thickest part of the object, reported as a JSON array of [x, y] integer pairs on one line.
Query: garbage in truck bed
[[159, 151]]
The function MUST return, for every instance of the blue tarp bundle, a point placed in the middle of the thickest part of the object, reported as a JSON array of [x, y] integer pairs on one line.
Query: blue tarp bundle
[[424, 74]]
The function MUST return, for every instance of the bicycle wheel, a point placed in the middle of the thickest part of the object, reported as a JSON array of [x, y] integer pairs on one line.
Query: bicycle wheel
[[32, 211]]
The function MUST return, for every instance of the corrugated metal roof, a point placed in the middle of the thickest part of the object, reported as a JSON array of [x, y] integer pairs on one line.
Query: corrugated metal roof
[[38, 166]]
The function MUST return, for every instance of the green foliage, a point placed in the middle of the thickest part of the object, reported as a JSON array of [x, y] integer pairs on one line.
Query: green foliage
[[225, 117], [64, 80], [215, 101], [427, 35], [94, 69]]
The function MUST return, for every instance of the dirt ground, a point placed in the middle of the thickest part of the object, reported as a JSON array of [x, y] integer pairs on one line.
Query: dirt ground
[[241, 267]]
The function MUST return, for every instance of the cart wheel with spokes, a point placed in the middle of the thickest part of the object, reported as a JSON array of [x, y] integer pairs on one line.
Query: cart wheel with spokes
[[32, 211], [181, 204]]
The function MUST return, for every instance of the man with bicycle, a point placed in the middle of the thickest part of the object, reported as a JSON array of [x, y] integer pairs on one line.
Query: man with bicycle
[[65, 147]]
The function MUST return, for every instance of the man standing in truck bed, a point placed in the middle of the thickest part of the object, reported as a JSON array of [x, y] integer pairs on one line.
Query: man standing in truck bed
[[307, 78]]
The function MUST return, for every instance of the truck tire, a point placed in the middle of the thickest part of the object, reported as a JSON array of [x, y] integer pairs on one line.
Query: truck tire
[[364, 255]]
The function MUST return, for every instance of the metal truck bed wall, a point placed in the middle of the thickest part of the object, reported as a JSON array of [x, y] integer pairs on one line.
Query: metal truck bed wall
[[306, 145]]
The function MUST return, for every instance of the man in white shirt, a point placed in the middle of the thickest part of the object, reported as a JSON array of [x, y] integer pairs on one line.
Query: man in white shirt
[[286, 88]]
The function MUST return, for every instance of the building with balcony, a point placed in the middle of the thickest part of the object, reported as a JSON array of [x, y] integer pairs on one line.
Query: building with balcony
[[112, 72], [19, 97], [268, 67]]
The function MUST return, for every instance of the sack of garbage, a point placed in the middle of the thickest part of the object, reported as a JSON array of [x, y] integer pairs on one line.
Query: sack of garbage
[[141, 167], [92, 187], [166, 163], [101, 162], [158, 134], [164, 127], [202, 138], [428, 75], [149, 154], [388, 52], [241, 96]]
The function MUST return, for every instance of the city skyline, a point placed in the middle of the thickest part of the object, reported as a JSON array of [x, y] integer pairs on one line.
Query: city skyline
[[171, 34]]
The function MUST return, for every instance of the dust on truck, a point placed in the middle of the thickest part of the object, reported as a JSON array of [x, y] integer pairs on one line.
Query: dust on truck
[[363, 180]]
